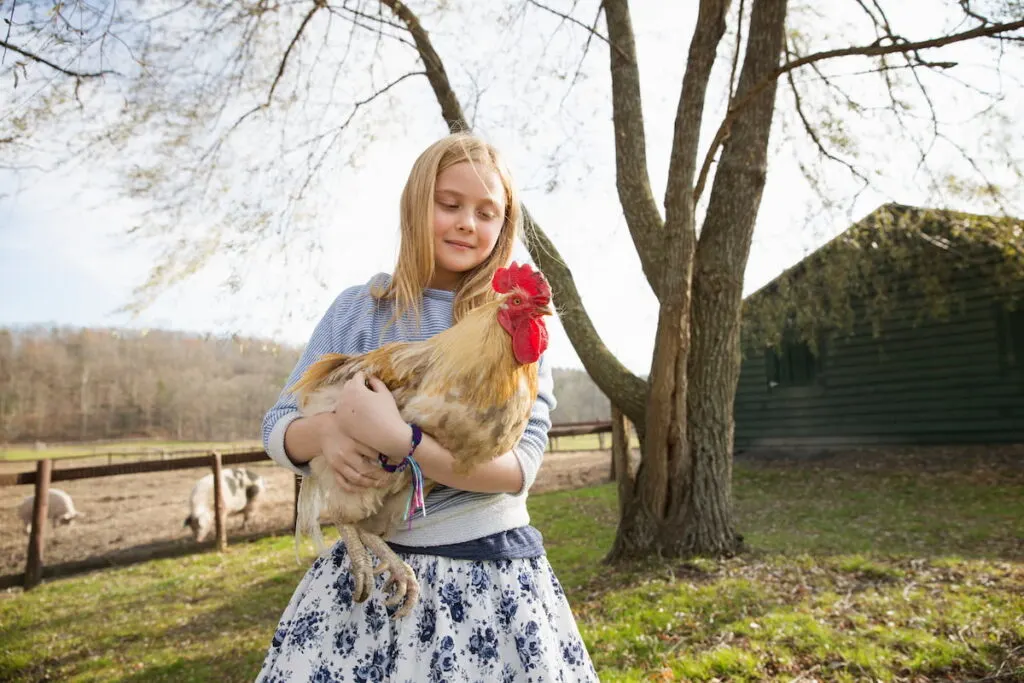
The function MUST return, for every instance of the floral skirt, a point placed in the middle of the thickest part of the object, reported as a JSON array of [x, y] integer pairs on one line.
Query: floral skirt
[[490, 620]]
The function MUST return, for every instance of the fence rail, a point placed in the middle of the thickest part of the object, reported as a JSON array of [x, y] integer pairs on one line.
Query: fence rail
[[45, 473]]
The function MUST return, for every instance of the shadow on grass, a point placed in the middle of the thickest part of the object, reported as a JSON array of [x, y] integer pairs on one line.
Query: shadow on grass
[[921, 503]]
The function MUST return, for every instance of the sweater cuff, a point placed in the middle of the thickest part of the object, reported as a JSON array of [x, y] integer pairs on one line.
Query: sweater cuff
[[275, 445], [529, 465]]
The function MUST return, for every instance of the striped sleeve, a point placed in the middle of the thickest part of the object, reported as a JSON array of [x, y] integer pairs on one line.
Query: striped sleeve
[[286, 410], [530, 449]]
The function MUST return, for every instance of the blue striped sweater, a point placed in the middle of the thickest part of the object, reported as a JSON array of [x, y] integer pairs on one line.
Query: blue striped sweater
[[498, 523]]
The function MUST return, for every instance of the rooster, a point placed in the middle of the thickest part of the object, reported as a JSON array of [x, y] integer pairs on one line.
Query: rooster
[[471, 387]]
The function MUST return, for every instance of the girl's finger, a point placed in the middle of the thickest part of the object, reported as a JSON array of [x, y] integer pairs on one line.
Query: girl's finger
[[377, 385], [358, 478], [343, 483], [372, 469], [366, 453]]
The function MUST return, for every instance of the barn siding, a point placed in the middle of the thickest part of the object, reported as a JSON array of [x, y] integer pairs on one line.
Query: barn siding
[[950, 381]]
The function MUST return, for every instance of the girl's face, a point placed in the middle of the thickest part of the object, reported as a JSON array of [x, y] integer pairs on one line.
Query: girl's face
[[469, 210]]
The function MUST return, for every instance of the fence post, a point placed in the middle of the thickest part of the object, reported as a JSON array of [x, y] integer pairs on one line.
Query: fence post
[[621, 469], [34, 564], [220, 518], [295, 504]]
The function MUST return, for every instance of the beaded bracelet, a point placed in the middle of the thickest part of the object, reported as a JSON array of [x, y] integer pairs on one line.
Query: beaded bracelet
[[417, 436], [416, 502]]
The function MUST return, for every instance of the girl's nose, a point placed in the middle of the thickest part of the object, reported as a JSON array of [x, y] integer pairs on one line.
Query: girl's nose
[[466, 223]]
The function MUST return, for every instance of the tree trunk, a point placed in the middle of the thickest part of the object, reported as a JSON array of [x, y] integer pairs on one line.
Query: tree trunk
[[646, 522], [682, 500]]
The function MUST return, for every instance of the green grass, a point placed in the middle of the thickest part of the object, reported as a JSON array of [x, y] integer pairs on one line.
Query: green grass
[[887, 574]]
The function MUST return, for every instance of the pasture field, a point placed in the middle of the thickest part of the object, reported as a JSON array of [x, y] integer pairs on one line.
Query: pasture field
[[894, 569], [133, 512]]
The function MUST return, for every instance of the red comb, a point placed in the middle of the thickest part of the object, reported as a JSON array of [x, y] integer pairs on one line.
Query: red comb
[[526, 278]]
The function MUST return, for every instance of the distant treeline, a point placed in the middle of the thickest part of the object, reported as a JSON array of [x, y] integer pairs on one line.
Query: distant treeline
[[72, 384]]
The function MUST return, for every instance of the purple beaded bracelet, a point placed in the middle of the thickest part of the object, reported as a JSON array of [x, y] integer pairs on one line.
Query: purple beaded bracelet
[[417, 436]]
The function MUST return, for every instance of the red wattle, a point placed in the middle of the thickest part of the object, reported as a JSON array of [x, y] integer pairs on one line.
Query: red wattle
[[529, 340]]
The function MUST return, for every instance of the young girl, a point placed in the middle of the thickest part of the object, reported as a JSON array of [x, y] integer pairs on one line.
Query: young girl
[[490, 607]]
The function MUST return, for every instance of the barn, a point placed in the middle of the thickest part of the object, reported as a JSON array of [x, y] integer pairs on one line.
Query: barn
[[908, 328]]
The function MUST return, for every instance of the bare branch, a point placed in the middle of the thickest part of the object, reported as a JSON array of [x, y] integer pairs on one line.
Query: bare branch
[[679, 198], [873, 50], [317, 6], [338, 130], [631, 175], [451, 109], [42, 60], [583, 56], [816, 139], [592, 30], [736, 53]]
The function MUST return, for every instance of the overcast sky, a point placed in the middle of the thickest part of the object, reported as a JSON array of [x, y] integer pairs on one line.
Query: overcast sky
[[64, 259]]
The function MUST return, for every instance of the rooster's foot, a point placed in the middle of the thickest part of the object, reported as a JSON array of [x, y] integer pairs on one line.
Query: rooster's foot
[[402, 579], [361, 566]]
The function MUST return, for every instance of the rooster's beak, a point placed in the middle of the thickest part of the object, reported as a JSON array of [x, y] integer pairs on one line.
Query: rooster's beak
[[547, 309]]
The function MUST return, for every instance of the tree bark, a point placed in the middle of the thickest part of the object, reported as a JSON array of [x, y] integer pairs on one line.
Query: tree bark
[[631, 177], [650, 520], [622, 471], [705, 511]]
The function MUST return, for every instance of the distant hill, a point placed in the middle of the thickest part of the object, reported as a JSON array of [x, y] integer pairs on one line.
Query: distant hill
[[73, 384]]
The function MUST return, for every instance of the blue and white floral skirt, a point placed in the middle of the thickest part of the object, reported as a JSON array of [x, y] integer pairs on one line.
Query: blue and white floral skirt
[[491, 620]]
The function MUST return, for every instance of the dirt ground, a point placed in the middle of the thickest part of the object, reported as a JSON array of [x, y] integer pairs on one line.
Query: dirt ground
[[136, 510]]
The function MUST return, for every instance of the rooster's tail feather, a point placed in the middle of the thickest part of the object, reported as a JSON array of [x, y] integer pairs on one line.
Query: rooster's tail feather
[[311, 501]]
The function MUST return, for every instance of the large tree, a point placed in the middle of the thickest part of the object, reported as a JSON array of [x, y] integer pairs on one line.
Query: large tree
[[194, 77]]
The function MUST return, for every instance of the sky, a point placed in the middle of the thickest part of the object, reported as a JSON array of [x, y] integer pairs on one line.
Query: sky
[[65, 260]]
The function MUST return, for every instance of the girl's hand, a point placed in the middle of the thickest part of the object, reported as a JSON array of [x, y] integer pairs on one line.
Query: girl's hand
[[369, 414], [354, 463]]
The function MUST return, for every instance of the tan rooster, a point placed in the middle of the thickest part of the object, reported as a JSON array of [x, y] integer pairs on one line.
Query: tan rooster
[[471, 387]]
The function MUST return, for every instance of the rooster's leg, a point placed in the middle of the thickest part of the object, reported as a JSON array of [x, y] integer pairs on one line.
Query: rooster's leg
[[402, 577], [361, 567]]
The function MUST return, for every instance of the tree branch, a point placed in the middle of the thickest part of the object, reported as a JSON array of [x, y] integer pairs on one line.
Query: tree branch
[[708, 32], [42, 60], [736, 53], [816, 139], [622, 387], [583, 56], [317, 6], [873, 50], [573, 20], [631, 179], [451, 109]]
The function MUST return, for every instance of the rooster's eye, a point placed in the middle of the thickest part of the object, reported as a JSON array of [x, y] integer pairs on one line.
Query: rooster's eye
[[516, 301]]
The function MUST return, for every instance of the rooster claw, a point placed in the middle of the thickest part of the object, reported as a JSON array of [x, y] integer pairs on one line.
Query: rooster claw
[[403, 586], [401, 583], [360, 565]]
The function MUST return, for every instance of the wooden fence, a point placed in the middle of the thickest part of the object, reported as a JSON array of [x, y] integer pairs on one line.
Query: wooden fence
[[44, 474]]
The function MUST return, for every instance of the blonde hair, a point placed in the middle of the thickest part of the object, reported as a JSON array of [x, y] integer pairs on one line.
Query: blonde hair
[[415, 266]]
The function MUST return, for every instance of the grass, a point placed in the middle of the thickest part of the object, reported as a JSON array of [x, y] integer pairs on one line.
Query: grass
[[890, 573]]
